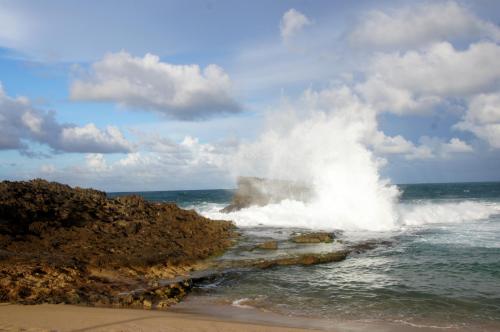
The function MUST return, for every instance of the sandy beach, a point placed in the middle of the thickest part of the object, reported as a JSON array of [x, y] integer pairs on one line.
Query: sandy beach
[[62, 317], [49, 317]]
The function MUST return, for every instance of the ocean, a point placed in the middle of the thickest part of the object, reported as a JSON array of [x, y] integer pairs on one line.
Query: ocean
[[437, 267]]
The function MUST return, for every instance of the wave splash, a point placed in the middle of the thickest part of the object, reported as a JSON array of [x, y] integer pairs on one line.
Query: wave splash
[[321, 141], [424, 213], [325, 140], [298, 214]]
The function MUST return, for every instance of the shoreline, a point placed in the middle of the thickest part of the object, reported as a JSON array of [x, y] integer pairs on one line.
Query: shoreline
[[219, 318], [63, 317]]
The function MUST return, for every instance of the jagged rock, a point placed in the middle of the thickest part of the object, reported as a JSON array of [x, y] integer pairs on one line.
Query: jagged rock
[[70, 245], [257, 191], [317, 237]]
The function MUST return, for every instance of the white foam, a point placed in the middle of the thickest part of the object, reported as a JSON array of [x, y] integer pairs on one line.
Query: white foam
[[240, 303], [303, 215], [446, 212]]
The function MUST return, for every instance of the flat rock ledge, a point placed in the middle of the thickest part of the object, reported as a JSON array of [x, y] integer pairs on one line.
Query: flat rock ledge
[[316, 237]]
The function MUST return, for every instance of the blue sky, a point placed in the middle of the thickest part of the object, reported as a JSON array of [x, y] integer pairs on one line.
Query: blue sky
[[152, 95]]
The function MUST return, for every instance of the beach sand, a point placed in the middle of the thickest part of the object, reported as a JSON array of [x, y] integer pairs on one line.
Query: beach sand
[[59, 317], [62, 317]]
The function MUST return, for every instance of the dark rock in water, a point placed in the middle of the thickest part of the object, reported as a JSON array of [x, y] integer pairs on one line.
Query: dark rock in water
[[257, 191], [368, 245], [73, 245], [302, 259], [268, 245], [317, 237]]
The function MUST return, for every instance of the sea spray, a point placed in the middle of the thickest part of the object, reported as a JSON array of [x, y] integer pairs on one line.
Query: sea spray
[[325, 140], [321, 140]]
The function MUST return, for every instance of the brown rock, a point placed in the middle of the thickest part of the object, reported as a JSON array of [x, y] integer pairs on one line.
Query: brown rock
[[147, 304], [258, 191], [303, 259], [268, 245], [73, 245], [317, 237]]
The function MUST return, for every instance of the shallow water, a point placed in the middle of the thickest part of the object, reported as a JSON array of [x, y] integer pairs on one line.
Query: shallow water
[[441, 270]]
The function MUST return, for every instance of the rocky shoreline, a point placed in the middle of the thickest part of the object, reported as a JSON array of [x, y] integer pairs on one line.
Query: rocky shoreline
[[77, 246], [70, 245]]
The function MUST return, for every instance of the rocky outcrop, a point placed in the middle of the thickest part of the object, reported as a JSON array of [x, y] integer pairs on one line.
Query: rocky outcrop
[[316, 237], [73, 245], [257, 191], [302, 259]]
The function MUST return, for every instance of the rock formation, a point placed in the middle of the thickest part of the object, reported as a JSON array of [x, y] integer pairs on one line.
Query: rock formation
[[257, 191], [316, 237], [72, 245]]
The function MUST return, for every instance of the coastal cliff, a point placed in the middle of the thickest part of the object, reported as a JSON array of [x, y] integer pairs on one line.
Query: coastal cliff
[[70, 245]]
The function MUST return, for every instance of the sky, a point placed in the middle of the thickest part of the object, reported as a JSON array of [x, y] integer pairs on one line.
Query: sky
[[162, 95]]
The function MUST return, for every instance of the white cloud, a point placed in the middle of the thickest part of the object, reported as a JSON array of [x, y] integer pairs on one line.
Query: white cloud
[[383, 96], [484, 109], [455, 145], [420, 152], [418, 80], [161, 163], [292, 23], [390, 144], [483, 118], [96, 162], [421, 25], [184, 92], [21, 122], [428, 147], [442, 69], [90, 138], [434, 147]]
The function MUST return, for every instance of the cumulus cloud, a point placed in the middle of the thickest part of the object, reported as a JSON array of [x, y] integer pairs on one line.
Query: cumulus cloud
[[184, 92], [455, 145], [418, 80], [20, 122], [431, 147], [292, 23], [428, 147], [421, 25], [483, 118], [384, 96], [161, 163], [96, 162], [89, 138], [440, 75]]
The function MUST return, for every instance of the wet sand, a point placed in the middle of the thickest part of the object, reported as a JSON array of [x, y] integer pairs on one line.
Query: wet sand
[[61, 318], [51, 317]]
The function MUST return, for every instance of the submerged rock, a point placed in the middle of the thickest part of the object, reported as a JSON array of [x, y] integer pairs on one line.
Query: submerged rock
[[70, 245], [301, 259], [268, 245], [316, 237]]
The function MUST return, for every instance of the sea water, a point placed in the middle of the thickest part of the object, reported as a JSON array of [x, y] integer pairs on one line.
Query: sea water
[[438, 267]]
